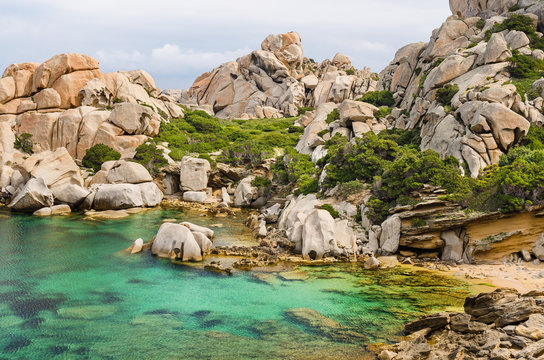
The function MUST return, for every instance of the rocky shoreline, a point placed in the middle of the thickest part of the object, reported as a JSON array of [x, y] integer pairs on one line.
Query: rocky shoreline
[[500, 325]]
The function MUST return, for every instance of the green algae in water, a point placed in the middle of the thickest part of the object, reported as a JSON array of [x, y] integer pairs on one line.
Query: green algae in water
[[68, 291]]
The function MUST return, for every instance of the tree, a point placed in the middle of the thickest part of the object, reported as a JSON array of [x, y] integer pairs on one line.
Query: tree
[[99, 154]]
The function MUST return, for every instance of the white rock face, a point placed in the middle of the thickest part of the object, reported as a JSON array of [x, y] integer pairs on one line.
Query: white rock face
[[127, 172], [203, 242], [201, 229], [137, 246], [117, 197], [225, 197], [34, 195], [245, 193], [390, 237], [71, 194], [151, 194], [318, 237], [176, 241], [195, 196], [453, 251], [194, 174], [538, 248]]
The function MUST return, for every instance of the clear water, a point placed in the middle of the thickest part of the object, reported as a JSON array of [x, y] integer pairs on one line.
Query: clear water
[[69, 291]]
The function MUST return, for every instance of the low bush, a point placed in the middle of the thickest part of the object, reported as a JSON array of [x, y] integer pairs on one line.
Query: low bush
[[331, 210], [261, 182], [446, 93], [525, 66], [97, 155], [378, 98], [150, 157], [24, 143], [333, 115]]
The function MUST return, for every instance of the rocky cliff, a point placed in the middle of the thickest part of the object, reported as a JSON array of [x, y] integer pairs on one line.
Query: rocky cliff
[[275, 81], [459, 88]]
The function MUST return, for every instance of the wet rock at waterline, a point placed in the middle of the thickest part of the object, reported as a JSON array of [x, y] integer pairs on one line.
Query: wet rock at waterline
[[177, 242]]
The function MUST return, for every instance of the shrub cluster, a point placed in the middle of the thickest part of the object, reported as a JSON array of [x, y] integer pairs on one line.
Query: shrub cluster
[[297, 170], [24, 143], [150, 157], [446, 93], [378, 98], [97, 155]]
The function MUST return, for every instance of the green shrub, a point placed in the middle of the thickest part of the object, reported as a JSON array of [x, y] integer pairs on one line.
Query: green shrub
[[377, 210], [307, 185], [323, 132], [524, 66], [480, 24], [446, 93], [438, 61], [350, 71], [150, 157], [97, 155], [383, 112], [261, 182], [213, 163], [350, 188], [378, 98], [24, 143], [333, 115], [534, 139], [295, 129], [331, 210], [418, 222]]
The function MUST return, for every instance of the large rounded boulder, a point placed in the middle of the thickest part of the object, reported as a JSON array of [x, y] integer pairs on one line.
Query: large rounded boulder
[[176, 241]]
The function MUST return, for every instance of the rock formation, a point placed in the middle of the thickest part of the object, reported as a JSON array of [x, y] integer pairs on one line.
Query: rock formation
[[275, 81], [499, 325]]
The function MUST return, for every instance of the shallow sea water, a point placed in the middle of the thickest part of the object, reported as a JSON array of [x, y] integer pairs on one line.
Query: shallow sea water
[[68, 291]]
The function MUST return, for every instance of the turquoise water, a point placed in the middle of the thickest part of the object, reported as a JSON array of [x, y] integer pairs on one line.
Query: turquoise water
[[69, 291]]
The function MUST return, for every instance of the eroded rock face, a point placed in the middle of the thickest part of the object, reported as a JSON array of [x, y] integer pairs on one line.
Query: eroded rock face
[[318, 235], [63, 103], [34, 195], [245, 193], [488, 8], [194, 174], [176, 241], [275, 80]]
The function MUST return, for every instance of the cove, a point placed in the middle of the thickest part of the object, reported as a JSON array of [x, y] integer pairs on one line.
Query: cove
[[68, 290]]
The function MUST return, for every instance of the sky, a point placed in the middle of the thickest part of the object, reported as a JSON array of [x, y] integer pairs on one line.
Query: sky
[[177, 40]]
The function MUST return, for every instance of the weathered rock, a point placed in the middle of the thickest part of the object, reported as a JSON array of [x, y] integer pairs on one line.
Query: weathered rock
[[151, 194], [71, 194], [245, 193], [538, 248], [453, 250], [123, 172], [433, 322], [532, 328], [194, 174], [203, 242], [318, 236], [135, 119], [53, 210], [356, 110], [176, 241], [7, 89], [195, 196], [209, 233], [137, 246], [117, 197], [57, 168], [34, 195], [497, 49], [390, 236], [96, 94]]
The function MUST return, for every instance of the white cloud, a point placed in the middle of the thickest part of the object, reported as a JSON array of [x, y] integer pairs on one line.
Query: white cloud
[[177, 40]]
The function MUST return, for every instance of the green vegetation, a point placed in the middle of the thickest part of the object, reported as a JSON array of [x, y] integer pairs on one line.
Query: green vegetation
[[97, 155], [351, 188], [418, 222], [519, 23], [446, 93], [304, 110], [480, 24], [212, 162], [297, 170], [378, 98], [333, 116], [383, 112], [350, 71], [240, 141], [524, 66], [24, 143], [438, 62], [331, 210], [150, 157], [261, 182]]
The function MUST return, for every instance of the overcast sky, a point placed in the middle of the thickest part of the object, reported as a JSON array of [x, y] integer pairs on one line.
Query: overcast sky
[[177, 40]]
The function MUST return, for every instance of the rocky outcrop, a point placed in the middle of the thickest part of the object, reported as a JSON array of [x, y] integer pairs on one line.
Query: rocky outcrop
[[499, 325], [194, 174], [177, 242], [318, 235], [68, 102], [33, 196], [486, 116], [245, 192], [275, 81]]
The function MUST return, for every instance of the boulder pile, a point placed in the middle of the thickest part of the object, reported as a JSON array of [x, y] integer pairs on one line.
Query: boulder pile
[[503, 324], [275, 81], [182, 242]]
